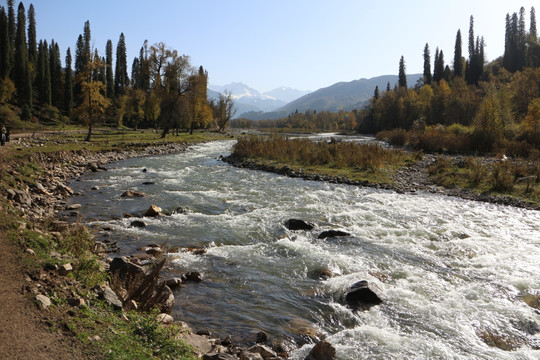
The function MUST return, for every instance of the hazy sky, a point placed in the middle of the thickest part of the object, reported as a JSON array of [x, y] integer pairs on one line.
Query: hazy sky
[[303, 44]]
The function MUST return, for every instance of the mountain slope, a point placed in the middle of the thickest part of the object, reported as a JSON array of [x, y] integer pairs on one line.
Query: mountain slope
[[340, 96]]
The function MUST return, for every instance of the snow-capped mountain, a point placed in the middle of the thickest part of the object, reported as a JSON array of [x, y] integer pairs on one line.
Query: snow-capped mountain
[[248, 99]]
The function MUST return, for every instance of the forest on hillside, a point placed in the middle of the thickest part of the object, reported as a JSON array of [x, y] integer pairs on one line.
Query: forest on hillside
[[466, 105], [163, 90]]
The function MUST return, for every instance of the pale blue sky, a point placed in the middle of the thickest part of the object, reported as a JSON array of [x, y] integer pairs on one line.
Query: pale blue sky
[[303, 44]]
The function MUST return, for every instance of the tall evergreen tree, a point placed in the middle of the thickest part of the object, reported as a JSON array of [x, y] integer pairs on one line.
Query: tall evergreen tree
[[4, 45], [458, 57], [376, 93], [533, 34], [55, 66], [12, 31], [121, 79], [109, 77], [32, 40], [87, 40], [402, 77], [438, 68], [427, 66], [22, 74], [136, 74], [145, 67], [43, 78], [68, 84]]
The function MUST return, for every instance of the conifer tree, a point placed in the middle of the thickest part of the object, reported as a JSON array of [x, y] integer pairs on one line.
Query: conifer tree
[[55, 66], [109, 78], [427, 66], [4, 45], [121, 79], [32, 40], [87, 38], [136, 74], [376, 93], [533, 34], [402, 77], [458, 61], [438, 68], [21, 70], [145, 67], [43, 79], [68, 84], [12, 32]]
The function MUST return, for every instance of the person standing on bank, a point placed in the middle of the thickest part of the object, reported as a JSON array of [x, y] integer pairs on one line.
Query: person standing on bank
[[4, 134]]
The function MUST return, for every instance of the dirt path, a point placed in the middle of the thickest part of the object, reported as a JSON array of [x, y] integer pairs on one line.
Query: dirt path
[[23, 332]]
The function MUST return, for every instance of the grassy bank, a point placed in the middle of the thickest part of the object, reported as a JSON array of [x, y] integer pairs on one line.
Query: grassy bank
[[106, 332], [357, 162]]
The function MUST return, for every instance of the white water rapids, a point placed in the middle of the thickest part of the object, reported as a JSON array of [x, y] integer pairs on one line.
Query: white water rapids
[[453, 273]]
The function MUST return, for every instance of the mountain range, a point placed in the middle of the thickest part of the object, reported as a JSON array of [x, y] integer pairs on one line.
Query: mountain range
[[280, 102], [248, 99]]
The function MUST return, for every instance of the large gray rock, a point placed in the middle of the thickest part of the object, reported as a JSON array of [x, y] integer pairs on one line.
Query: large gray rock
[[111, 298], [153, 211], [132, 194], [43, 301]]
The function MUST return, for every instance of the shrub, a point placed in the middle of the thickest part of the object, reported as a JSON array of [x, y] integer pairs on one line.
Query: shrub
[[501, 177], [397, 137]]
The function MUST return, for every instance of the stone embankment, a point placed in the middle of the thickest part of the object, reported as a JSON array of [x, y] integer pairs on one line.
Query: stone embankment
[[408, 180]]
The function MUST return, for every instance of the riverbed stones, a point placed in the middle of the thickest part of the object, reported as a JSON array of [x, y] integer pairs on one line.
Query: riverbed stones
[[164, 319], [361, 296], [297, 224], [322, 351]]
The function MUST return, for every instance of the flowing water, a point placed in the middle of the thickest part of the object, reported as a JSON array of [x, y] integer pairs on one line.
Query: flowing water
[[453, 273]]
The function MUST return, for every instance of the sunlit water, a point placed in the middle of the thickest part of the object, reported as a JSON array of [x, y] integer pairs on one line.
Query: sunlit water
[[449, 270]]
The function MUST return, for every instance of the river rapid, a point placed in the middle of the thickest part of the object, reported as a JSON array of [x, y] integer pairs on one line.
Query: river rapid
[[453, 273]]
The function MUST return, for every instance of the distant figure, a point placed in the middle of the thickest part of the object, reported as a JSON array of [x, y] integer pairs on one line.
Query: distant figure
[[4, 135]]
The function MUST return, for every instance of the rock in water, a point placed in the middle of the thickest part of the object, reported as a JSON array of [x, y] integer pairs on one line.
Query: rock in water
[[332, 233], [132, 194], [153, 211], [138, 224], [322, 351], [296, 224], [362, 297]]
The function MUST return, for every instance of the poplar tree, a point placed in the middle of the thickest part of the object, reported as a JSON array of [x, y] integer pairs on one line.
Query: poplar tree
[[458, 61], [32, 41], [21, 70], [68, 84], [121, 79], [109, 78], [427, 66], [402, 77]]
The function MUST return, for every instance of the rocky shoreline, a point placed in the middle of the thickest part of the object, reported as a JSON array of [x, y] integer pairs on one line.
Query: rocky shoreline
[[132, 285], [413, 179]]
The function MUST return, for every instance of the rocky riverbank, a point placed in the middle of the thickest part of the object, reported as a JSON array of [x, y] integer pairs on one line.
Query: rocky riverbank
[[412, 179], [132, 286]]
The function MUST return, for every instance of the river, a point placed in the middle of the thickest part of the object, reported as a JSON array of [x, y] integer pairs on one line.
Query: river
[[452, 272]]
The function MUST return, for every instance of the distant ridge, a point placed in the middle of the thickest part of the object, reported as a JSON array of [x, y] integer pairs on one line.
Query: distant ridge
[[340, 96]]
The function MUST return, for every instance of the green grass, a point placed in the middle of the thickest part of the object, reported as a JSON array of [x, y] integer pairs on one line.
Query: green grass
[[130, 335]]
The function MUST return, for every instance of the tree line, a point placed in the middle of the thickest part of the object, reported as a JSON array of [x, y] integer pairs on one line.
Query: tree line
[[499, 100], [163, 90], [491, 102]]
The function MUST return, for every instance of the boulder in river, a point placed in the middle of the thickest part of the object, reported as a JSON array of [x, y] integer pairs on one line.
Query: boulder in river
[[132, 194], [153, 211], [322, 351], [296, 224], [332, 233], [138, 224], [361, 296]]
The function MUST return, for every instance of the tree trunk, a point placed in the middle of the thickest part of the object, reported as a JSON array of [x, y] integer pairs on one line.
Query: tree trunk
[[89, 135]]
